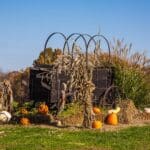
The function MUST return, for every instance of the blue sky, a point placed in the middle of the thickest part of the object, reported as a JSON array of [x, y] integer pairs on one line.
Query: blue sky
[[25, 25]]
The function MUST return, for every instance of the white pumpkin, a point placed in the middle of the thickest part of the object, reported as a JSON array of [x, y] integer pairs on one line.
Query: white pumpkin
[[147, 110], [5, 116]]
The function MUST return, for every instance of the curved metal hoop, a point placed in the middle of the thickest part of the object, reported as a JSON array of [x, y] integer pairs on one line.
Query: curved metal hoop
[[86, 40], [103, 37], [79, 36], [86, 45], [50, 36], [84, 37]]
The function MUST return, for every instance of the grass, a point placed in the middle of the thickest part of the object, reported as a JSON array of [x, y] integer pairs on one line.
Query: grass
[[71, 109], [37, 138]]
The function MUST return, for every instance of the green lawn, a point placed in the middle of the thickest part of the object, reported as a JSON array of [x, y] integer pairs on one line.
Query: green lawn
[[36, 138]]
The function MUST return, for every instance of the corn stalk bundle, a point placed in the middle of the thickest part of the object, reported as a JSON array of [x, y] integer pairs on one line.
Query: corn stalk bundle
[[80, 81], [6, 96]]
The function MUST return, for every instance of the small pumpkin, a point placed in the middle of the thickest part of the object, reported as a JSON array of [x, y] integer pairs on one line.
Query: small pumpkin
[[23, 111], [24, 121], [96, 110], [112, 119], [43, 109], [96, 124]]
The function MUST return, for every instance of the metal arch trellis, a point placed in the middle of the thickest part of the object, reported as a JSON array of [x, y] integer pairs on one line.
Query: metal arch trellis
[[93, 38], [85, 45], [67, 38], [49, 37], [79, 35], [101, 36]]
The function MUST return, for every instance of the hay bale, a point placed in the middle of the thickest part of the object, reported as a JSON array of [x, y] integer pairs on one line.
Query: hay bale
[[73, 120], [142, 116], [128, 111], [72, 115]]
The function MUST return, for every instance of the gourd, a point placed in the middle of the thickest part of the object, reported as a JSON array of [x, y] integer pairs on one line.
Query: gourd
[[96, 110], [147, 110], [59, 123], [112, 119], [43, 109], [114, 110], [96, 124], [24, 121]]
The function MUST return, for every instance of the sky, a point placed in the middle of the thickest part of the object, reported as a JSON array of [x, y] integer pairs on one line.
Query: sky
[[25, 25]]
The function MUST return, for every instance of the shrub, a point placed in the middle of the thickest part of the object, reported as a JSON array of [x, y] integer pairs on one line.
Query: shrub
[[130, 74], [133, 83]]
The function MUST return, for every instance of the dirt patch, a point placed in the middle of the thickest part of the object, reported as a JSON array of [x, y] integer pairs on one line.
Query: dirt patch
[[105, 127]]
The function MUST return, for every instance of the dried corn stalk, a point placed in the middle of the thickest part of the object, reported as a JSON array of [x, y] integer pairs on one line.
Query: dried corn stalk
[[6, 96], [80, 81]]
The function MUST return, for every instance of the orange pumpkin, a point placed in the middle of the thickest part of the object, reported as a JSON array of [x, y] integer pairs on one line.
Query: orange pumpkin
[[96, 124], [24, 121], [96, 110], [112, 119], [23, 111], [43, 109]]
